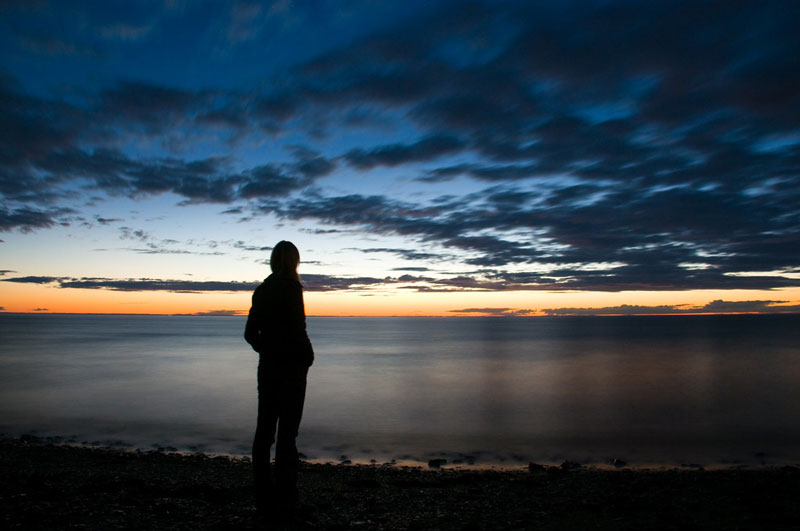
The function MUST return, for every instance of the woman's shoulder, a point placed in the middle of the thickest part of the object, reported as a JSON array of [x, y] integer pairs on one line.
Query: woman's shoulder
[[285, 283]]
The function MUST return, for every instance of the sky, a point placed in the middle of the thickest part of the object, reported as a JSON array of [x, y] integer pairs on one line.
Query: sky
[[427, 158]]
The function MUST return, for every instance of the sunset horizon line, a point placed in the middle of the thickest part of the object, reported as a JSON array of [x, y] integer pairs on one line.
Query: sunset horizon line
[[454, 314]]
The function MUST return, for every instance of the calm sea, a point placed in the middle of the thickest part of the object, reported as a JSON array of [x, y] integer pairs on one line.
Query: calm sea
[[688, 389]]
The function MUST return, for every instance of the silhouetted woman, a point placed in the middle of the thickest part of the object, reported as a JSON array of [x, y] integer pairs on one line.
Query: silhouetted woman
[[276, 329]]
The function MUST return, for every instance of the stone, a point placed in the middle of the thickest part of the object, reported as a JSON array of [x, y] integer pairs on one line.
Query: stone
[[437, 463], [536, 467]]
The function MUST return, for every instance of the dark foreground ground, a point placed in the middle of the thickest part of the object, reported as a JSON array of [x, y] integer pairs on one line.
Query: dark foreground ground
[[53, 487]]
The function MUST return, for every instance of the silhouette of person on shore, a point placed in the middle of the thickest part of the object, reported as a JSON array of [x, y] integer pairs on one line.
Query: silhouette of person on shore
[[276, 329]]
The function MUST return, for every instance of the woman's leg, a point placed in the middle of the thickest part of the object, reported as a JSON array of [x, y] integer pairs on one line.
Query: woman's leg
[[268, 408], [292, 400]]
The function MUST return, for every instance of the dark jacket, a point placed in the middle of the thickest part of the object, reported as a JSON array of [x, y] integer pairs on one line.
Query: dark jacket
[[276, 325]]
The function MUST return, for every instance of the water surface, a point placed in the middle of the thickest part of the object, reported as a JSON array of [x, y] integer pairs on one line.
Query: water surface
[[667, 389]]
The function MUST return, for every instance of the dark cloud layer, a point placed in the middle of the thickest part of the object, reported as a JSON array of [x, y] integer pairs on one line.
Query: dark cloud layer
[[654, 110], [396, 154], [136, 284], [624, 145], [44, 155], [29, 219], [661, 240], [310, 282], [365, 285], [717, 306]]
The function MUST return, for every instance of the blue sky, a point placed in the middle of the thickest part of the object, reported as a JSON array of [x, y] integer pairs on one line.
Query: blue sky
[[503, 152]]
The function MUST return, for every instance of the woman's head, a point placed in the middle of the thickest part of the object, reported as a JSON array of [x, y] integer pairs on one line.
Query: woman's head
[[284, 260]]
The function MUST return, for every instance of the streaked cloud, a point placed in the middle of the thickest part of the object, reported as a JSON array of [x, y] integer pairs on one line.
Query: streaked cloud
[[136, 284], [495, 312], [717, 306], [219, 313]]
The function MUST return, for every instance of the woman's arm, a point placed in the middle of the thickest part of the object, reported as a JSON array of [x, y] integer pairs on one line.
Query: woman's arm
[[297, 315], [252, 330]]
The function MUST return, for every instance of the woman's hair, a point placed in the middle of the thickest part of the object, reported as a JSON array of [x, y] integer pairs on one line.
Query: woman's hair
[[284, 260]]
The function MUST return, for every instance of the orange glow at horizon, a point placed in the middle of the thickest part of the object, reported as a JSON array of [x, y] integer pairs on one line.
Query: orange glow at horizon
[[48, 299], [31, 298]]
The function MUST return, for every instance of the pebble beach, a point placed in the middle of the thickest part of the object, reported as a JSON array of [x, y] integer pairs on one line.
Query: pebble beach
[[56, 486]]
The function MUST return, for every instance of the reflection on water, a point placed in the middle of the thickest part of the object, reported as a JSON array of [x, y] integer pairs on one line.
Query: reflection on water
[[646, 389]]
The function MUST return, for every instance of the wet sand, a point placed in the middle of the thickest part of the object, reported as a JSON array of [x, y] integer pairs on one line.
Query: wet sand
[[47, 486]]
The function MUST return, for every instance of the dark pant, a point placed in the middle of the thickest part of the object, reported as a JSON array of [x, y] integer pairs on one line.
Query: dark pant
[[281, 394]]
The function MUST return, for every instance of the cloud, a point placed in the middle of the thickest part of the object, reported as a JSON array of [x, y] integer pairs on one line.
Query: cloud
[[373, 213], [407, 254], [27, 219], [310, 163], [254, 248], [506, 172], [603, 59], [107, 221], [423, 284], [717, 306], [151, 245], [53, 147], [277, 180], [494, 312], [751, 307], [145, 284], [153, 248], [270, 180], [152, 106], [32, 280], [137, 284], [127, 233], [621, 239], [427, 148], [220, 313], [311, 282]]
